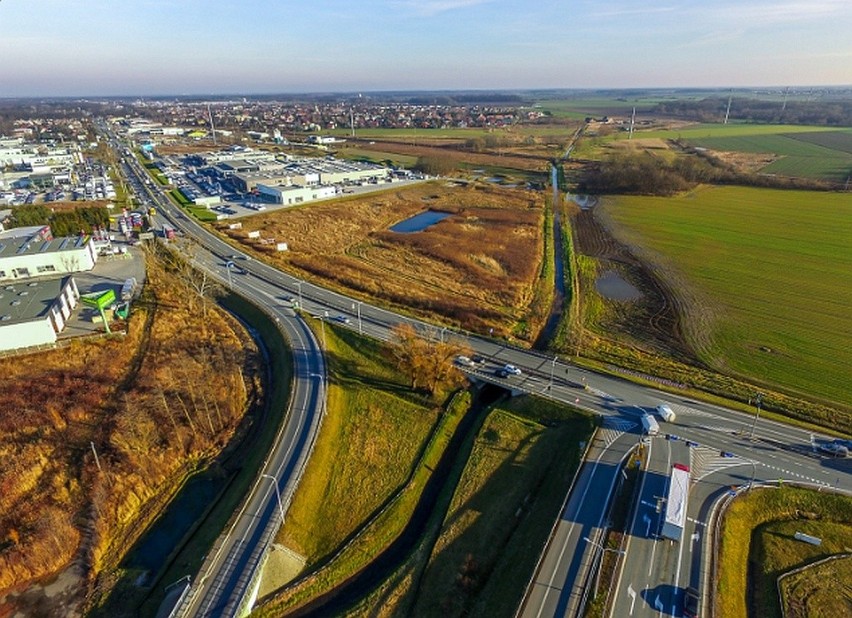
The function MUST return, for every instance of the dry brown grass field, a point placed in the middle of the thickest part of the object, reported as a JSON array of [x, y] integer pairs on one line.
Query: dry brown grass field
[[527, 158], [476, 268], [155, 403]]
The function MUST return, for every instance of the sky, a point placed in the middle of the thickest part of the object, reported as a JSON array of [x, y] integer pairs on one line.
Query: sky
[[151, 47]]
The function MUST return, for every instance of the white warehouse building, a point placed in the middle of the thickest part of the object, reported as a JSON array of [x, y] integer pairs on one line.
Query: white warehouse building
[[290, 195], [35, 312], [34, 256]]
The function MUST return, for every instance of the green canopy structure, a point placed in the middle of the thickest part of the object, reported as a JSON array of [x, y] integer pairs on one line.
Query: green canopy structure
[[99, 301]]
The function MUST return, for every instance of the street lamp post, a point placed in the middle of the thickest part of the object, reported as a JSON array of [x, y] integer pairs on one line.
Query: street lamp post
[[228, 266], [358, 302], [552, 369], [299, 285], [753, 473], [758, 399], [443, 328], [277, 494], [603, 549]]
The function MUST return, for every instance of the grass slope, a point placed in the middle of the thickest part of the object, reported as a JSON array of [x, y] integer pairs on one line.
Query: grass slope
[[757, 544], [502, 509], [775, 267], [371, 422]]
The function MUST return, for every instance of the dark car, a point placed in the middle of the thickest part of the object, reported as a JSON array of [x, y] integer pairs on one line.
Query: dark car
[[501, 373], [691, 603], [834, 449]]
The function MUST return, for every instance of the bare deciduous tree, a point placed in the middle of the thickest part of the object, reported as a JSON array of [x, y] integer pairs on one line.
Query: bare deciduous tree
[[426, 361]]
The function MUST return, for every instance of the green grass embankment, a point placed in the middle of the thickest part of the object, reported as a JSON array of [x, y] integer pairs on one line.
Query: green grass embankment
[[476, 559], [544, 290], [570, 322], [511, 490], [757, 544], [378, 447]]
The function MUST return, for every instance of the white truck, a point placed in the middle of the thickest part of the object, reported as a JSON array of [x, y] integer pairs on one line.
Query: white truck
[[128, 289], [666, 413], [650, 426]]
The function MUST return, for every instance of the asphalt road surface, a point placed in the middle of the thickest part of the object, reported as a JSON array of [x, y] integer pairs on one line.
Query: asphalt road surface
[[777, 451]]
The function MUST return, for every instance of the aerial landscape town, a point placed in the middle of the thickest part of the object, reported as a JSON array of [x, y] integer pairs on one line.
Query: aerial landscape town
[[401, 323]]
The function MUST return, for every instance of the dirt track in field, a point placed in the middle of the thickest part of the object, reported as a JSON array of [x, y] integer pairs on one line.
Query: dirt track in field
[[655, 319]]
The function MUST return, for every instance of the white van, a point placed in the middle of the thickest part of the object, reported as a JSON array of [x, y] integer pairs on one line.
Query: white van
[[666, 413]]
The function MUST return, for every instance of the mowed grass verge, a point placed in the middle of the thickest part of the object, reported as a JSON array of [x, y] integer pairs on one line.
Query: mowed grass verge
[[774, 268], [510, 492], [477, 559], [373, 455], [757, 545]]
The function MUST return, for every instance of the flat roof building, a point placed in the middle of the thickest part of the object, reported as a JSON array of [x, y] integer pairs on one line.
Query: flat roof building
[[35, 312], [290, 195], [34, 256]]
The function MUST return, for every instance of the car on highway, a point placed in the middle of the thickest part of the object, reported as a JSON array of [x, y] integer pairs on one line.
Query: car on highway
[[691, 603], [464, 361], [665, 412], [501, 372], [511, 369], [834, 449], [478, 359], [343, 319]]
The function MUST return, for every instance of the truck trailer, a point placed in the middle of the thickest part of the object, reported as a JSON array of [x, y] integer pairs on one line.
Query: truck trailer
[[676, 502]]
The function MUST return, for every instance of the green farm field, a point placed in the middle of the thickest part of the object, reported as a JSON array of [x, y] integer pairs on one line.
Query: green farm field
[[774, 271], [804, 151]]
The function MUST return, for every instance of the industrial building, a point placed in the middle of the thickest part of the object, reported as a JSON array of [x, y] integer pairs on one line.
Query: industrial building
[[35, 312], [36, 254], [290, 195]]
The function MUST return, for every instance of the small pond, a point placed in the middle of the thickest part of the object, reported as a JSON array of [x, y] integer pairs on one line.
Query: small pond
[[419, 222], [610, 285]]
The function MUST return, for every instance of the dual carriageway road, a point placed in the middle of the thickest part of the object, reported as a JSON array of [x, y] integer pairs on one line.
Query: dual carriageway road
[[557, 588]]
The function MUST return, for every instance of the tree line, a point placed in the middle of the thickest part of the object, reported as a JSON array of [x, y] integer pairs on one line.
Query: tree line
[[822, 113], [642, 173], [61, 222]]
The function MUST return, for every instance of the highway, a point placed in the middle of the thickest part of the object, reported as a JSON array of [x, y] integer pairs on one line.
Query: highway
[[777, 451]]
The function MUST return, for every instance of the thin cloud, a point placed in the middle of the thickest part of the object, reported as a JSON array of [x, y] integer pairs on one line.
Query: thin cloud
[[791, 11], [434, 7], [624, 11]]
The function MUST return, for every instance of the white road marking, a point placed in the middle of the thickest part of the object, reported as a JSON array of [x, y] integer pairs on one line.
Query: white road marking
[[632, 594]]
